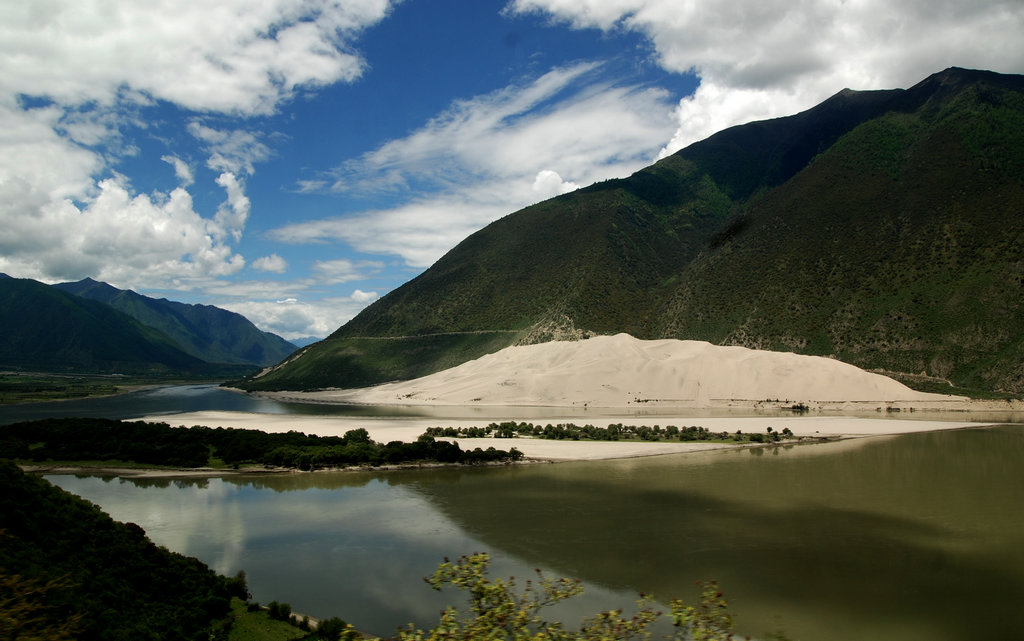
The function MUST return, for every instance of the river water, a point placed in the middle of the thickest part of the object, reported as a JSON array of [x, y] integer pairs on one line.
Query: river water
[[891, 538], [911, 537]]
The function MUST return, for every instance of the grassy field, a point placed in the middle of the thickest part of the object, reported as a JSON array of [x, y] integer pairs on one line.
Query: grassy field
[[39, 387], [30, 388], [258, 626]]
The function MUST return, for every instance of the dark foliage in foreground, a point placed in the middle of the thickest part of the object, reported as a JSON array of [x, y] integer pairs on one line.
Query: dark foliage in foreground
[[69, 571], [90, 439]]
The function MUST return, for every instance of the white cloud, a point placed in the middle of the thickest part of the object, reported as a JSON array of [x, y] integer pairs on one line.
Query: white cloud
[[773, 58], [272, 263], [116, 236], [491, 155], [359, 296], [233, 213], [230, 151], [230, 56], [420, 232], [181, 169], [75, 72], [342, 270], [548, 183], [295, 318]]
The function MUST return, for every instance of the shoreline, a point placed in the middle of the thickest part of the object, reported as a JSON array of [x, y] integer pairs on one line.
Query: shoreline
[[938, 404], [407, 429]]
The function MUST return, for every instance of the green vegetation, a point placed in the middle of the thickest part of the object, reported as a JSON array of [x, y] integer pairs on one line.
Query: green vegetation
[[880, 227], [249, 622], [359, 361], [158, 444], [498, 611], [31, 388], [614, 432], [209, 333], [69, 571], [47, 329]]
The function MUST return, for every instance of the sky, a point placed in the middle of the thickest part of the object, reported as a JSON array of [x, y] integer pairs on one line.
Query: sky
[[295, 160]]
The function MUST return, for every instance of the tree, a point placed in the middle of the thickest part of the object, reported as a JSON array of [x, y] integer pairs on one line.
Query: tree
[[334, 629], [498, 611], [28, 614]]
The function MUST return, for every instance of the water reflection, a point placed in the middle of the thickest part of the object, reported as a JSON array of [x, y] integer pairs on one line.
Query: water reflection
[[347, 544], [919, 536], [848, 543]]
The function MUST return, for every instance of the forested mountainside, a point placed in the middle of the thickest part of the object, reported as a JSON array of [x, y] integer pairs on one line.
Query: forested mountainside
[[209, 333], [884, 228], [69, 571], [47, 329]]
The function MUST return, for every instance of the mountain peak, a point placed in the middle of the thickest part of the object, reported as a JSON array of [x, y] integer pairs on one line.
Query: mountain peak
[[879, 227]]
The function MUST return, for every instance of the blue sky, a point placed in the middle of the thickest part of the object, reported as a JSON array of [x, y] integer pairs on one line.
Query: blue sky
[[294, 160]]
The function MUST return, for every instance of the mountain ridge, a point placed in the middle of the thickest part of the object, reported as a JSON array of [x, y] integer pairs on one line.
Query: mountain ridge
[[204, 331], [877, 227], [47, 328]]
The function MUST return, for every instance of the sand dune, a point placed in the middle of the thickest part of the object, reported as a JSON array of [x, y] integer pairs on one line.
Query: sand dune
[[632, 381], [622, 371]]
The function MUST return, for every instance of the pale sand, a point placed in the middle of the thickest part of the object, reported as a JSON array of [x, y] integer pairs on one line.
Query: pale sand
[[408, 429], [621, 371], [625, 377]]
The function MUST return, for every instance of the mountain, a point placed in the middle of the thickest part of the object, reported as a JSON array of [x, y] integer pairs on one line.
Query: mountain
[[305, 340], [45, 328], [882, 228], [206, 332]]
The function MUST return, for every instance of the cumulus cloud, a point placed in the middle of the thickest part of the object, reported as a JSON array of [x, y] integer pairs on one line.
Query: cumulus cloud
[[117, 236], [234, 151], [79, 72], [181, 169], [548, 183], [233, 56], [493, 154], [272, 263], [231, 215], [772, 58], [295, 318]]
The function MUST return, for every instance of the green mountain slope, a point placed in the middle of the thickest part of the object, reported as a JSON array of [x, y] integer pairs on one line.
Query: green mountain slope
[[878, 226], [69, 571], [204, 331], [45, 328], [898, 248]]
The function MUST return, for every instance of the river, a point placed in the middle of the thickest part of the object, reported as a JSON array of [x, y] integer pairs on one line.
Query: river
[[912, 537]]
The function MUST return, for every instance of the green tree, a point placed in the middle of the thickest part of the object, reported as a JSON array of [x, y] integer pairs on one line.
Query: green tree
[[498, 611]]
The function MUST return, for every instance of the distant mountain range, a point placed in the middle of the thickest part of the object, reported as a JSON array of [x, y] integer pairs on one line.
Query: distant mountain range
[[884, 228], [88, 326]]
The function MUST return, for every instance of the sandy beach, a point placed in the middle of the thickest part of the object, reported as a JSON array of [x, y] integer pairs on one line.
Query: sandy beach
[[621, 379], [408, 429]]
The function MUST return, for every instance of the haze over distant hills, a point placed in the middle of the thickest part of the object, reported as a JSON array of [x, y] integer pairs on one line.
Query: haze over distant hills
[[80, 327], [209, 333], [883, 228]]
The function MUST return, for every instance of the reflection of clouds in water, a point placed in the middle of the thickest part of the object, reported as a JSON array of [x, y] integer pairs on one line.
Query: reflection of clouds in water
[[357, 548], [198, 519]]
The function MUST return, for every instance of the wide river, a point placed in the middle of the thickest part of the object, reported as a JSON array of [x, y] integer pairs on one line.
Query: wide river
[[910, 537]]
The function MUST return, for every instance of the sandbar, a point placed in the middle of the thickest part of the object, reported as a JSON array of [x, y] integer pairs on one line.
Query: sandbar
[[389, 429]]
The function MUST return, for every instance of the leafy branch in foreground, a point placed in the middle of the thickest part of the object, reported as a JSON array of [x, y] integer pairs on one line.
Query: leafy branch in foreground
[[497, 611]]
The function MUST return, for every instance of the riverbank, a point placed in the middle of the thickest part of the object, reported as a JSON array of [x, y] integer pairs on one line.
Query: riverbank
[[409, 429]]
